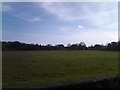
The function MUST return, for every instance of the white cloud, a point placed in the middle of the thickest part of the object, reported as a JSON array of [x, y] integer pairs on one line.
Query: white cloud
[[99, 23], [98, 14], [21, 15], [6, 8], [27, 17], [35, 19], [80, 27], [59, 10]]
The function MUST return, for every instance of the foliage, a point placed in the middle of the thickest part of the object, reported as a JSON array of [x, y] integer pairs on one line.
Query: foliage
[[16, 45]]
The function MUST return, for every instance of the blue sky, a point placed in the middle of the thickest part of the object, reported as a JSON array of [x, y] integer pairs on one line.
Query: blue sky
[[57, 22]]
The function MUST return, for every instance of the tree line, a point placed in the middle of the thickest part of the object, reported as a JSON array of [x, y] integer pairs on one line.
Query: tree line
[[16, 45]]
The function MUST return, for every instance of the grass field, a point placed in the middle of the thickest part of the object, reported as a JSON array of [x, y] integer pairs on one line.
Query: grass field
[[46, 67]]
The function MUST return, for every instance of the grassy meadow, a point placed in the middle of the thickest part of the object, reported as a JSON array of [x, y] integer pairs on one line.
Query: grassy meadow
[[22, 68]]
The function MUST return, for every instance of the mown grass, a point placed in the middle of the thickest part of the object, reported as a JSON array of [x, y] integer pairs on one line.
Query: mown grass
[[46, 67]]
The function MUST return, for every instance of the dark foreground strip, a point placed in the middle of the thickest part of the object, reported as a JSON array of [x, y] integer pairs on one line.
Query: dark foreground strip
[[108, 82]]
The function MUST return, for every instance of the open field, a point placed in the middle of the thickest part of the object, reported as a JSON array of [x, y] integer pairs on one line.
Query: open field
[[45, 67]]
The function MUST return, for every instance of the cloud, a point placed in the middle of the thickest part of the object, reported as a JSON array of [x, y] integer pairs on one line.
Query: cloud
[[13, 11], [6, 8], [80, 26], [35, 19], [59, 10], [31, 19], [98, 21], [96, 14], [27, 17]]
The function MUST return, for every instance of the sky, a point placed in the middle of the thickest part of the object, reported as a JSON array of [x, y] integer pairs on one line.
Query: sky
[[60, 22]]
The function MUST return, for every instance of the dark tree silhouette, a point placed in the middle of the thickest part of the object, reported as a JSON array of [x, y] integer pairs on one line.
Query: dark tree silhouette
[[16, 45]]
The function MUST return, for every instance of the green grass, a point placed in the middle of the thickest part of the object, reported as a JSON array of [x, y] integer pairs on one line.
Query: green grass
[[46, 67]]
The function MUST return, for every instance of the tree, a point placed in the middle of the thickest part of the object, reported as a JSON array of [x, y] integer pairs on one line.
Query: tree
[[49, 47], [112, 46], [82, 46], [60, 47], [74, 47]]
